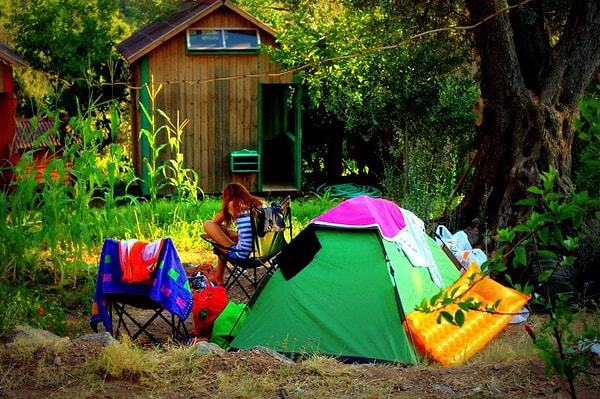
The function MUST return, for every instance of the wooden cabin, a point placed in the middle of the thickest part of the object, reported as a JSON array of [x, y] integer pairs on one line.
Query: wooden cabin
[[39, 138], [244, 114], [8, 106]]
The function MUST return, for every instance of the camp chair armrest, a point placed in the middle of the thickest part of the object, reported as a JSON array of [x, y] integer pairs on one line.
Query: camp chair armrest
[[216, 245]]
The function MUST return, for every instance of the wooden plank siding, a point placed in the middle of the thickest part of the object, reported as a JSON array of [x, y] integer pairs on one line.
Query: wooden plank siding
[[8, 107], [218, 93]]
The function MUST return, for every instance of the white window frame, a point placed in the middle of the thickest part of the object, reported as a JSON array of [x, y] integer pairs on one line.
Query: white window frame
[[223, 45]]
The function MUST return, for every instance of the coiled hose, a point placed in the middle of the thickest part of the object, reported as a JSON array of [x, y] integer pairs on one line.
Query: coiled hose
[[348, 190]]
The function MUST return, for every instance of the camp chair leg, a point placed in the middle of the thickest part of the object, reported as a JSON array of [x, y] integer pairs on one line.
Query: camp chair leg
[[122, 313], [238, 276], [179, 331], [178, 327]]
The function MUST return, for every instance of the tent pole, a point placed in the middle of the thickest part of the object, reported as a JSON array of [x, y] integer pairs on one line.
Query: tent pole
[[448, 252]]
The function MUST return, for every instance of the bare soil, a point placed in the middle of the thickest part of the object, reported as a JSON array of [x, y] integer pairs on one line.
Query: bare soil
[[70, 378], [48, 373]]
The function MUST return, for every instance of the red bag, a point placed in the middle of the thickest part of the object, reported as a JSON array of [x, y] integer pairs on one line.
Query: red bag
[[207, 305]]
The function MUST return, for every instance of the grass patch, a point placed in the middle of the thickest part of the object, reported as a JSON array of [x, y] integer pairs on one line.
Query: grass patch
[[124, 359]]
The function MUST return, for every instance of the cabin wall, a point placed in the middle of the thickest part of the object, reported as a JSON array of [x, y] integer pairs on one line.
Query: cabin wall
[[217, 94], [8, 105], [41, 158]]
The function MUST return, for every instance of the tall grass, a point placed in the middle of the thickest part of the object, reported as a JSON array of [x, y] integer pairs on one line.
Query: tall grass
[[52, 229]]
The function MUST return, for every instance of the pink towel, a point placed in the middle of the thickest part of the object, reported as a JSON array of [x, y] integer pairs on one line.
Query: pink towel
[[364, 211]]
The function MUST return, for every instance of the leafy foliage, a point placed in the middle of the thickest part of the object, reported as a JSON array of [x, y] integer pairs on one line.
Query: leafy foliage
[[587, 165], [139, 13], [379, 90], [21, 304], [548, 241], [71, 41]]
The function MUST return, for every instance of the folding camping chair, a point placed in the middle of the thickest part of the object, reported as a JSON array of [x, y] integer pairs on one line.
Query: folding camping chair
[[136, 307], [269, 238], [122, 308]]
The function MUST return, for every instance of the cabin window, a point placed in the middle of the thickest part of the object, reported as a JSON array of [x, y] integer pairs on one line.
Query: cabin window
[[222, 39]]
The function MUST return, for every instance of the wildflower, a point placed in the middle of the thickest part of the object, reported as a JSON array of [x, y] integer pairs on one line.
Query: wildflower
[[529, 331], [41, 311]]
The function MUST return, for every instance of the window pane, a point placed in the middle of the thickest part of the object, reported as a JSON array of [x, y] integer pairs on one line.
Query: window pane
[[241, 39], [205, 39]]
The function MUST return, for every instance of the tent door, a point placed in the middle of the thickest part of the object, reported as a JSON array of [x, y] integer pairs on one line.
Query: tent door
[[280, 137]]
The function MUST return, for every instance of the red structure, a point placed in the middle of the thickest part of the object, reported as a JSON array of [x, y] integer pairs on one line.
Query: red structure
[[8, 102], [48, 147]]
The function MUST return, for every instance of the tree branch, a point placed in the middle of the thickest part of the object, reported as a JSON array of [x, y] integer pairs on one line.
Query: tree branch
[[575, 57], [495, 42], [531, 41]]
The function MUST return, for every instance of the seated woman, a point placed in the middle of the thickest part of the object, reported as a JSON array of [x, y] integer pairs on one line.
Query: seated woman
[[235, 209]]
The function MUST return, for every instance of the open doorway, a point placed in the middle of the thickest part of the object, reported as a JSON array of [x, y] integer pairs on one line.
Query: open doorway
[[280, 136]]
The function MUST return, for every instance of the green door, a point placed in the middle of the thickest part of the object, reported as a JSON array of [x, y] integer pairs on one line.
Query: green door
[[280, 136]]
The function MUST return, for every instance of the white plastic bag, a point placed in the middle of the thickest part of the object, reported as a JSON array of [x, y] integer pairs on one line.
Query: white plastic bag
[[458, 243]]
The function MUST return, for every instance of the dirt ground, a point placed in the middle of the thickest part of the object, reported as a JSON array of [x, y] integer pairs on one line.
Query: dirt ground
[[515, 379], [47, 373]]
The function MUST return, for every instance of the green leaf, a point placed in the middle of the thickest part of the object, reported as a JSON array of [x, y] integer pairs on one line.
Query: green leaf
[[446, 316], [459, 318], [570, 243], [543, 235], [521, 255], [526, 202], [521, 228], [545, 275], [535, 190]]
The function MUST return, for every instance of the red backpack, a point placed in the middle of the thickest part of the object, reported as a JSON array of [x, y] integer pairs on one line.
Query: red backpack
[[207, 305]]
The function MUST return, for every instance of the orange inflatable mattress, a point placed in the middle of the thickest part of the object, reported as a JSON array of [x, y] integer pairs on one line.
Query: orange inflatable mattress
[[452, 345]]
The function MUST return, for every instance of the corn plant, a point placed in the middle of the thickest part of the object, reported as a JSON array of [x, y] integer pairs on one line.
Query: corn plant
[[170, 174], [183, 180], [18, 224], [154, 168]]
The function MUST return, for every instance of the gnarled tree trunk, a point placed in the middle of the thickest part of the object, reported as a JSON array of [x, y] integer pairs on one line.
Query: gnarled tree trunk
[[530, 90]]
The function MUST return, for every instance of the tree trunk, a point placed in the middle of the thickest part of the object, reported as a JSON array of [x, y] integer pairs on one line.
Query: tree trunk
[[531, 94]]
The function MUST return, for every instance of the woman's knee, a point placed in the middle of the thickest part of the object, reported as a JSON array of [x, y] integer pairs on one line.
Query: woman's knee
[[212, 228]]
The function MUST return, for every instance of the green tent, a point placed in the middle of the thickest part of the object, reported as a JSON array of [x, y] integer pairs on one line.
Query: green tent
[[343, 292]]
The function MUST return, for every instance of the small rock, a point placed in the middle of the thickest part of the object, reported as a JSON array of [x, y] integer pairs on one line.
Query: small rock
[[205, 348], [443, 388], [29, 334], [104, 338]]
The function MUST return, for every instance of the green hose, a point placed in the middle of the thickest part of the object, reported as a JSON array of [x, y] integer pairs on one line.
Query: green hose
[[348, 190]]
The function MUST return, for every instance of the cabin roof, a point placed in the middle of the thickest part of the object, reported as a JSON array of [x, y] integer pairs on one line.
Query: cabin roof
[[25, 136], [151, 36], [8, 55]]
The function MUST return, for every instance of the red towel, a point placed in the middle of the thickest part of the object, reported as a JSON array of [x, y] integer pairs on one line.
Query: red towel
[[138, 259]]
